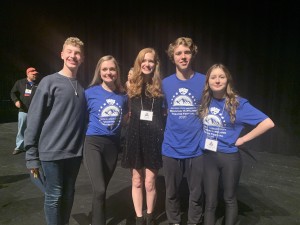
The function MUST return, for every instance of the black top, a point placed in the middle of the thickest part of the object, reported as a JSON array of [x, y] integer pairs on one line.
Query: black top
[[144, 138], [19, 93]]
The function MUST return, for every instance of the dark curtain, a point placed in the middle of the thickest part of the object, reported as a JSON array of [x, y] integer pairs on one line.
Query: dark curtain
[[257, 40]]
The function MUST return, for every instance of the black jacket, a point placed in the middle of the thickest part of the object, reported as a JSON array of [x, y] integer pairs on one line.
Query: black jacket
[[17, 93]]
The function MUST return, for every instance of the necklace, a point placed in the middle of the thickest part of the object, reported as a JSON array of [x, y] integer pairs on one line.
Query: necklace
[[75, 89]]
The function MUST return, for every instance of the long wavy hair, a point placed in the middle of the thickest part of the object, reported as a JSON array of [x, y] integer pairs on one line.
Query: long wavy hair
[[231, 102], [97, 77], [153, 86]]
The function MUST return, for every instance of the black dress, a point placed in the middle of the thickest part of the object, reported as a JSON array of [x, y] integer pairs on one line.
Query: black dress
[[144, 138]]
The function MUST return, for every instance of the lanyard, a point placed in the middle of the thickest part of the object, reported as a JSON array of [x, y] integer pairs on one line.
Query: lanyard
[[222, 115], [142, 103]]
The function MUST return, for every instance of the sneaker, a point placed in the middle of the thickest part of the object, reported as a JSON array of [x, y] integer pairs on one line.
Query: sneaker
[[17, 151]]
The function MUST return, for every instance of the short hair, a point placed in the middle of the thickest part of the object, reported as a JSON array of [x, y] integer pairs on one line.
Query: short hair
[[74, 41]]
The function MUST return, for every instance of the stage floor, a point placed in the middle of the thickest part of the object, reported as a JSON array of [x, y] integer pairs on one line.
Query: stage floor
[[269, 191]]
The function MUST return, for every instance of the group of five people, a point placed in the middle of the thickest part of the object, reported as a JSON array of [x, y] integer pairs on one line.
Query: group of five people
[[188, 123]]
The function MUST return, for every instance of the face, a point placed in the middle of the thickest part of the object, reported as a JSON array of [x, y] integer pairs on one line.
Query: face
[[108, 71], [31, 76], [148, 64], [72, 56], [182, 57], [217, 82], [130, 72]]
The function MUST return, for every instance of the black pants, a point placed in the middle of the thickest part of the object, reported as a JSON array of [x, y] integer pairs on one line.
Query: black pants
[[225, 168], [174, 171], [100, 158]]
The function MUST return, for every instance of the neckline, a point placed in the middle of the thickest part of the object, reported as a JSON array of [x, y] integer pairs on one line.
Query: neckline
[[64, 75], [106, 88]]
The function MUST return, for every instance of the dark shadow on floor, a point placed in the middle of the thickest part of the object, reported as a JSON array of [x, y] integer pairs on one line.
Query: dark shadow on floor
[[4, 180]]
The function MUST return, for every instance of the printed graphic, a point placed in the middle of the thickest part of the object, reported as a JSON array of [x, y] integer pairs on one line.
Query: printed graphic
[[183, 104], [110, 114], [214, 123]]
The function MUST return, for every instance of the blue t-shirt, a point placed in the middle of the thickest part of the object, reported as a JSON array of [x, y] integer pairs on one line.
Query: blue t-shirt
[[183, 128], [217, 124], [106, 110]]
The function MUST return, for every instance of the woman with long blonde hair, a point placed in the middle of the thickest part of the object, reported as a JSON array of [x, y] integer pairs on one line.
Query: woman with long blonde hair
[[142, 152], [106, 106]]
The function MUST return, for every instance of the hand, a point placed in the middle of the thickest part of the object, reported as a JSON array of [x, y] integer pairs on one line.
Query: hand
[[239, 142], [35, 172], [18, 104]]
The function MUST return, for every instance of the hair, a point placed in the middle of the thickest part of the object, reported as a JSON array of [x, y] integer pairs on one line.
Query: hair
[[231, 102], [129, 81], [74, 41], [97, 77], [129, 71], [185, 41], [153, 87]]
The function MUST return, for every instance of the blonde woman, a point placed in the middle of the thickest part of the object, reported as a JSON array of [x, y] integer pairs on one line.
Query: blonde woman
[[142, 152], [107, 105]]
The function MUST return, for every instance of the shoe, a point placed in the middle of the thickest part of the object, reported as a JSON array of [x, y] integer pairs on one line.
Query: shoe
[[140, 221], [17, 151], [149, 219]]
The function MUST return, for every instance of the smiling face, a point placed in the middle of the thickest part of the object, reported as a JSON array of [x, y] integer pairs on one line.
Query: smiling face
[[108, 72], [218, 82], [72, 56], [148, 63], [182, 57]]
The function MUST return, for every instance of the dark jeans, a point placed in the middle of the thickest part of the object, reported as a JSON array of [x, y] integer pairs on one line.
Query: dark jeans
[[174, 171], [100, 159], [225, 168], [60, 188]]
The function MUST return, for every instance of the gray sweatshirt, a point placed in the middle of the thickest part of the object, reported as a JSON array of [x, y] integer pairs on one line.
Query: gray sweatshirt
[[56, 121]]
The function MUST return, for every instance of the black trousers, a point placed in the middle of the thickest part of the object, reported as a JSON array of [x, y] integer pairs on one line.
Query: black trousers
[[225, 168], [174, 171], [100, 158]]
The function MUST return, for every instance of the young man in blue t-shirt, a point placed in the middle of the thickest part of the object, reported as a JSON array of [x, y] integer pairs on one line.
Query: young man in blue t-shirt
[[182, 155]]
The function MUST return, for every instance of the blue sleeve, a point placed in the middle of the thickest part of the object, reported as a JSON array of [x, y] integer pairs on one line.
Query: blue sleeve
[[249, 114]]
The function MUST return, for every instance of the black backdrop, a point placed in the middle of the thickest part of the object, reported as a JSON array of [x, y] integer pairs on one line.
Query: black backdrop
[[257, 40]]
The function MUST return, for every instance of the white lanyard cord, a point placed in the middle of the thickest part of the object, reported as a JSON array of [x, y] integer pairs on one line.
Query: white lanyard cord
[[219, 126], [142, 103]]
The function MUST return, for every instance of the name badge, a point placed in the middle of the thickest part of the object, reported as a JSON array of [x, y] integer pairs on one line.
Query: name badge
[[27, 92], [146, 115], [211, 145]]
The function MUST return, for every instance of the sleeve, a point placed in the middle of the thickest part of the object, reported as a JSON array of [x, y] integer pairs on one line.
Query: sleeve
[[251, 115], [14, 93], [36, 117]]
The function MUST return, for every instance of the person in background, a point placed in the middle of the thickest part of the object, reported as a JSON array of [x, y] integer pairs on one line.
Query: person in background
[[55, 133], [225, 114], [107, 106], [129, 77], [21, 94], [125, 125], [182, 155], [142, 152]]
